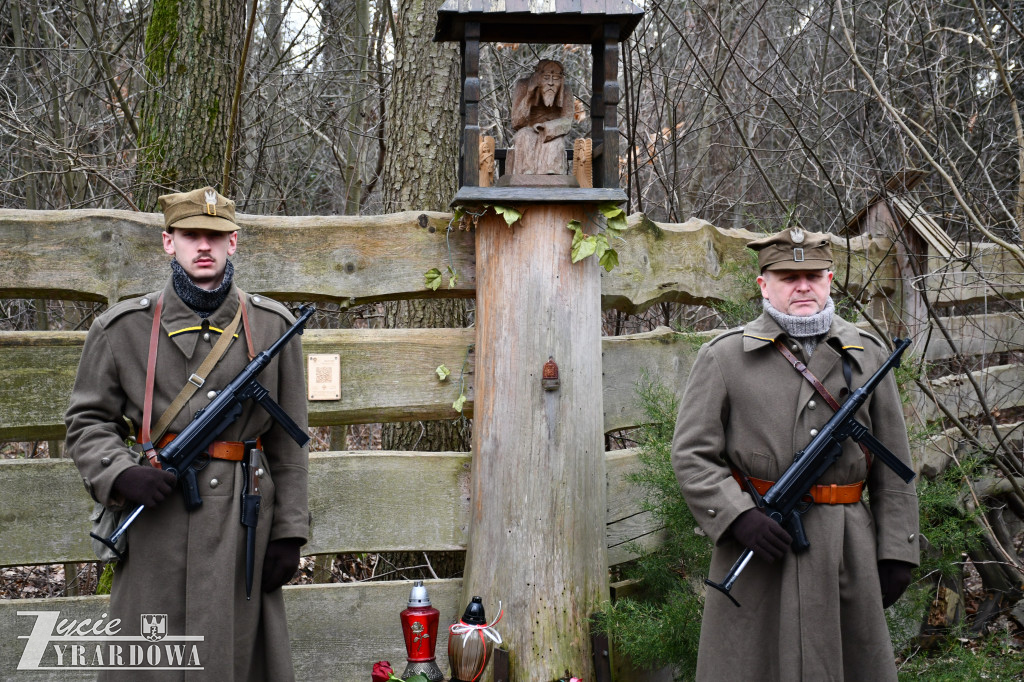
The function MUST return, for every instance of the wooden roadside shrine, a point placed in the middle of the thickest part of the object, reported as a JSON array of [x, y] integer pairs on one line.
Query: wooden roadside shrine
[[538, 480]]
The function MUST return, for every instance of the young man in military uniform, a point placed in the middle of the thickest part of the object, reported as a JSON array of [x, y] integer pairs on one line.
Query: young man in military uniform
[[190, 566], [746, 411]]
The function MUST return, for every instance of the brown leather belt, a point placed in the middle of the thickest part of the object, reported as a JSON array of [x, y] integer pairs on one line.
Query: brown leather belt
[[231, 450], [821, 494]]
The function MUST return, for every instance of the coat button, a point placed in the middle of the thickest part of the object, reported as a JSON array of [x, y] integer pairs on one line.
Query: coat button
[[910, 538], [206, 336], [814, 432], [144, 302], [712, 513], [214, 483], [811, 405], [796, 348], [105, 461], [211, 395], [255, 299]]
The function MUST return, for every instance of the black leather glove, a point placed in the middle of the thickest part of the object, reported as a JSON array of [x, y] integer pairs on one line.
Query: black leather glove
[[280, 563], [766, 538], [144, 485], [894, 575]]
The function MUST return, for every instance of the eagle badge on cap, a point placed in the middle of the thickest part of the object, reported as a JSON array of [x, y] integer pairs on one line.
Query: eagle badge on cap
[[211, 202], [797, 235]]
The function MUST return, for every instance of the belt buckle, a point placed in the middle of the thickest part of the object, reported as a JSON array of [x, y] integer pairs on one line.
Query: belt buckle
[[196, 380]]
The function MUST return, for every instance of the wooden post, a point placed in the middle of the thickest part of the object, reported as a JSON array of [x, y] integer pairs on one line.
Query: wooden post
[[470, 109], [537, 529], [610, 86]]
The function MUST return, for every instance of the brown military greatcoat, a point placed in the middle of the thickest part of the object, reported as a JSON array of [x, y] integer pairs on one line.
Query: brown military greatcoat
[[190, 566], [817, 615]]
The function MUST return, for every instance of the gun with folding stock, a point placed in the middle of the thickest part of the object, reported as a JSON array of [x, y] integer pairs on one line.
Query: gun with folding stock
[[786, 502], [180, 455]]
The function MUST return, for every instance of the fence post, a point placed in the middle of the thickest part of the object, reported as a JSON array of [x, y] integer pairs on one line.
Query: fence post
[[537, 530]]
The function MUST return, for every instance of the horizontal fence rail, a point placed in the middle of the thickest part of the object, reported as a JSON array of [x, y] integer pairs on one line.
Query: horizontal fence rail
[[108, 255], [360, 502], [389, 375]]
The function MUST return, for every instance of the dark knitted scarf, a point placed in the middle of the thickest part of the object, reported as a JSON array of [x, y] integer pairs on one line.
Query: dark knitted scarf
[[807, 330], [201, 301]]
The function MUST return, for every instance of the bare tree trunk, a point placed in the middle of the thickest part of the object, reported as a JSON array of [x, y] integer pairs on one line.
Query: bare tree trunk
[[420, 174], [192, 51]]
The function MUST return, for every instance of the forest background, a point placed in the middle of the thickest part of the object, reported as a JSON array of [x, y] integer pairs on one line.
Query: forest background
[[750, 114]]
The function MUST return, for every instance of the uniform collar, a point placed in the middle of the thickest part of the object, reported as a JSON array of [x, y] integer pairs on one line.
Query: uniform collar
[[842, 335], [177, 316]]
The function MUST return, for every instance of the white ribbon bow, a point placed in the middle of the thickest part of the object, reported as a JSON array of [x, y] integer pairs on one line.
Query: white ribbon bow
[[487, 631]]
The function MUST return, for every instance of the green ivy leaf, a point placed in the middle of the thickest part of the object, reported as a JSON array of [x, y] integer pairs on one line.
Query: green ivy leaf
[[510, 214], [442, 372], [453, 277], [583, 245], [459, 402], [433, 278], [609, 259], [602, 245], [616, 216]]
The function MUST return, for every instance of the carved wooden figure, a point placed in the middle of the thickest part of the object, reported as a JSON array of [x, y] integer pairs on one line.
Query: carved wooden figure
[[542, 114]]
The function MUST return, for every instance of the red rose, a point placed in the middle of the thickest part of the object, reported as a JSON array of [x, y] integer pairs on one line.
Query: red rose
[[382, 672]]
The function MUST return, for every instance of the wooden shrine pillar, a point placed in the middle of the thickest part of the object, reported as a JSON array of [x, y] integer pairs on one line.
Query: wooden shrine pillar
[[537, 529]]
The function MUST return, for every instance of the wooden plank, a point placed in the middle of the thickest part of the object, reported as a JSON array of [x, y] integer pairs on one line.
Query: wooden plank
[[977, 335], [388, 501], [627, 520], [662, 356], [111, 255], [935, 454], [697, 263], [360, 501], [1001, 384], [106, 255], [990, 274], [337, 631], [386, 375], [44, 508]]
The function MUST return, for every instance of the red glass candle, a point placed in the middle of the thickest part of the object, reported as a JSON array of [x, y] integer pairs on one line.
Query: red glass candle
[[419, 625]]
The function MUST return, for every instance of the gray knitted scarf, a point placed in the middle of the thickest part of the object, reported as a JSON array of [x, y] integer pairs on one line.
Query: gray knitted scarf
[[201, 301], [808, 330]]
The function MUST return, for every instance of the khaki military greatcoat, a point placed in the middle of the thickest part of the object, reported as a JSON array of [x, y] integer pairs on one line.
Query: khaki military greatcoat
[[817, 615], [190, 566]]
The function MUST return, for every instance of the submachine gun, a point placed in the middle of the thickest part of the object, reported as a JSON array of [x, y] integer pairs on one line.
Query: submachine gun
[[785, 502], [180, 455]]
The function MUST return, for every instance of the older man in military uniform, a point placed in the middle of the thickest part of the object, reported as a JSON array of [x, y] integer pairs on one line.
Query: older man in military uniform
[[189, 567], [747, 409]]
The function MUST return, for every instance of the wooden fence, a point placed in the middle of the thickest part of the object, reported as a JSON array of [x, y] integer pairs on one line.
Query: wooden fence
[[374, 501]]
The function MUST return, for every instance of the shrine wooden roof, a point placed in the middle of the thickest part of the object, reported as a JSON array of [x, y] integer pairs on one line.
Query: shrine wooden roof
[[536, 21]]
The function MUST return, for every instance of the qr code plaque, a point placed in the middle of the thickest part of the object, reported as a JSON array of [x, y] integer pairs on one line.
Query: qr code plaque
[[324, 376]]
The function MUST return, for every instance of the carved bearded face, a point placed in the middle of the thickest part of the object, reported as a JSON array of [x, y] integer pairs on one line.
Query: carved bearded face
[[550, 83]]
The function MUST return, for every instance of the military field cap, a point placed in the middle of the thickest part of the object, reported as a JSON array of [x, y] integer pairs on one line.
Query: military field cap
[[793, 249], [202, 209]]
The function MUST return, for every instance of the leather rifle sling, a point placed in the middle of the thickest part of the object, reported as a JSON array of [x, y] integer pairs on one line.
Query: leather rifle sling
[[192, 385], [818, 386]]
